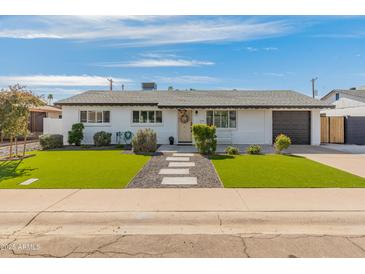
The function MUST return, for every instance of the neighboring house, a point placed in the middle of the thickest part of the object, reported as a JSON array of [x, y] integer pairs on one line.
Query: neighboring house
[[347, 102], [37, 115], [241, 117]]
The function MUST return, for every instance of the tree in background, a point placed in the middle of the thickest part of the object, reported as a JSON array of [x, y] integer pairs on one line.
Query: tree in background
[[50, 98], [15, 103]]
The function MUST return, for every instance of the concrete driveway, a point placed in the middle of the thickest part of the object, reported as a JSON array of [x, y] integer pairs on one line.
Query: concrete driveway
[[350, 158]]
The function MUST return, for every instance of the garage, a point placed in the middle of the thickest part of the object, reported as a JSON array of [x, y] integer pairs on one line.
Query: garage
[[295, 124], [355, 130]]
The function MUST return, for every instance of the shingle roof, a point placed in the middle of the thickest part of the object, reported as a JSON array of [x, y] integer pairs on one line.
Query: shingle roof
[[198, 99], [358, 94]]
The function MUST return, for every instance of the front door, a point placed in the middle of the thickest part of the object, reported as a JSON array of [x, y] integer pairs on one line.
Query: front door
[[184, 125]]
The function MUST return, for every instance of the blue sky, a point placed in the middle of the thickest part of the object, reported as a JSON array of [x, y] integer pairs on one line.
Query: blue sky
[[64, 55]]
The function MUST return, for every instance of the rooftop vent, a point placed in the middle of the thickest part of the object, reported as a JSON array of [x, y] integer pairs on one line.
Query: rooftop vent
[[149, 86]]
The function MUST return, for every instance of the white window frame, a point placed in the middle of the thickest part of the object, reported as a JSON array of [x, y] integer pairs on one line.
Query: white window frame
[[147, 123], [96, 117], [227, 110]]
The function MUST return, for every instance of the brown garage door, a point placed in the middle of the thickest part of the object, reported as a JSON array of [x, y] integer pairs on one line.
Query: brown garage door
[[295, 124]]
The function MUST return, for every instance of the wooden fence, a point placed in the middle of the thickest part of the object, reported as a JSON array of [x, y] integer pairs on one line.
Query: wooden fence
[[333, 129]]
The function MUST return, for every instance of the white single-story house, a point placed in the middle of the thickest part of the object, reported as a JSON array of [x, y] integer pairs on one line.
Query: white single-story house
[[241, 117], [347, 102]]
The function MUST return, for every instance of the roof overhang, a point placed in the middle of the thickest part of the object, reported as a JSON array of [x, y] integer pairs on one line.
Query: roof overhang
[[204, 106]]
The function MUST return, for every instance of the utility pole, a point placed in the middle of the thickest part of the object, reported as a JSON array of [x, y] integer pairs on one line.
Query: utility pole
[[313, 80], [110, 84]]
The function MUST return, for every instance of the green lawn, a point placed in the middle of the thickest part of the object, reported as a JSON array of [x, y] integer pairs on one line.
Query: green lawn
[[73, 169], [280, 171]]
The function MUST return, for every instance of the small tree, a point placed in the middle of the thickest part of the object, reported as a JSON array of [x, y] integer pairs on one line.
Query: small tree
[[15, 103], [75, 135], [281, 142], [205, 138]]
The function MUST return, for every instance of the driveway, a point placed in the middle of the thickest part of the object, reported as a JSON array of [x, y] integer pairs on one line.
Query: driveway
[[350, 158]]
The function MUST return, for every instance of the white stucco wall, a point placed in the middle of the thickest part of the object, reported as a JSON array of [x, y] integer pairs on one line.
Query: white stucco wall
[[315, 127], [52, 126], [345, 106], [120, 120], [254, 126]]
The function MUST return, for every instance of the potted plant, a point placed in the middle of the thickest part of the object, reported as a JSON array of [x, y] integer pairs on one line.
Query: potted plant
[[171, 140]]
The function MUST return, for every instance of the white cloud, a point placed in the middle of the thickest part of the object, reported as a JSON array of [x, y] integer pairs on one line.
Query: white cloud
[[275, 74], [129, 31], [148, 63], [187, 79], [253, 49], [270, 49], [59, 80]]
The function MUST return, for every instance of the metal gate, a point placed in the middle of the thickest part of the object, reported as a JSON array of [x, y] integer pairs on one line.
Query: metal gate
[[355, 130]]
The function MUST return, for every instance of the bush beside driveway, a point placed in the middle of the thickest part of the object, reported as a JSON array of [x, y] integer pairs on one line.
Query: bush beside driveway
[[280, 171], [73, 169]]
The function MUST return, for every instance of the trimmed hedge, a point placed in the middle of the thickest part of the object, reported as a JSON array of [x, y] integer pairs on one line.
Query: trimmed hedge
[[75, 135], [49, 141], [205, 138], [102, 138]]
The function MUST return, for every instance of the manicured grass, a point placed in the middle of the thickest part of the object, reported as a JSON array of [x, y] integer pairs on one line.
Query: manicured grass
[[280, 171], [73, 169]]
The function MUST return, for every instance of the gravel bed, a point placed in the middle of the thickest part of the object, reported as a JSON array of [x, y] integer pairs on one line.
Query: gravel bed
[[148, 177], [4, 151]]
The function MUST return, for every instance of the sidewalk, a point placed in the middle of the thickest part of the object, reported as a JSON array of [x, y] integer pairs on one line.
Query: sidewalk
[[183, 200], [182, 211]]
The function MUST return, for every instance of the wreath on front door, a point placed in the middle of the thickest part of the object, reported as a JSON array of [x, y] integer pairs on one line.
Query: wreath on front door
[[184, 118]]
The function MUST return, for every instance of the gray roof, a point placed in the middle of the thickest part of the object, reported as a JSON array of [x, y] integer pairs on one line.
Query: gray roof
[[198, 99], [357, 94]]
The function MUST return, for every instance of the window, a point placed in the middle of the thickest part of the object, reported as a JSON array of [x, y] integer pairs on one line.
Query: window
[[106, 116], [83, 116], [92, 116], [222, 118], [337, 96], [144, 116]]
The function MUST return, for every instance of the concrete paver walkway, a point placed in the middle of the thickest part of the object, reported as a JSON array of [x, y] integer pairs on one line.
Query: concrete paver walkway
[[177, 170]]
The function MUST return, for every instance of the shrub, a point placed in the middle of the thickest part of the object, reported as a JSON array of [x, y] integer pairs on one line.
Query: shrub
[[49, 141], [254, 149], [102, 138], [144, 141], [230, 150], [205, 138], [281, 142], [75, 135]]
